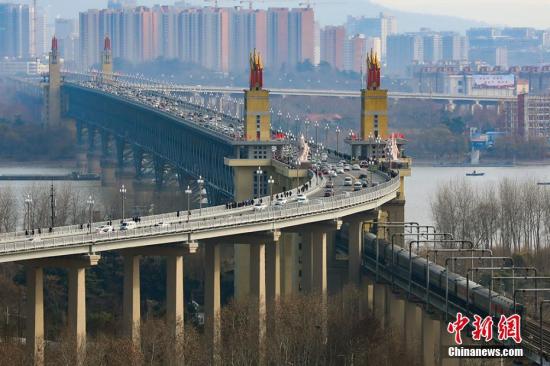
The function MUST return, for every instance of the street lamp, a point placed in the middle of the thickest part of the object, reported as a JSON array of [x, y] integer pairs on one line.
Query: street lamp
[[188, 192], [28, 202], [90, 203], [337, 139], [307, 126], [200, 182], [326, 134], [259, 173], [122, 198], [316, 125], [270, 181]]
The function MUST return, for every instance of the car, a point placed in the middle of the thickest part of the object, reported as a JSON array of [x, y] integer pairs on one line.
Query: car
[[280, 201], [128, 225], [357, 186], [347, 168], [339, 170], [301, 198], [364, 164], [325, 171], [329, 192], [348, 181], [260, 206], [162, 224], [355, 167], [333, 174], [365, 183], [103, 229], [330, 184]]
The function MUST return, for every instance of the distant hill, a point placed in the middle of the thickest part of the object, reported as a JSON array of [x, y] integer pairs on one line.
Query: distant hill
[[406, 21]]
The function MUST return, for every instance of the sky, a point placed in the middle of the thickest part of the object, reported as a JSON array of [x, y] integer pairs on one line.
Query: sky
[[533, 13]]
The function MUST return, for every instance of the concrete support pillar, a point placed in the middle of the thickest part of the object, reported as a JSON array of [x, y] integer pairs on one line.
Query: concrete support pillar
[[131, 299], [212, 302], [431, 333], [380, 303], [81, 159], [120, 145], [396, 313], [108, 172], [273, 274], [35, 315], [355, 247], [241, 280], [77, 311], [289, 263], [258, 298], [447, 340], [137, 155], [306, 259], [94, 163], [413, 328], [159, 166], [175, 296], [319, 278]]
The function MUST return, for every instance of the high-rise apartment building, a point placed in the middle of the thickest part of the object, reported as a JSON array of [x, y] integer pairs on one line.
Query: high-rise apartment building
[[433, 47], [455, 47], [528, 116], [16, 31], [381, 27], [215, 38], [301, 29], [277, 37], [248, 32], [404, 50], [333, 39]]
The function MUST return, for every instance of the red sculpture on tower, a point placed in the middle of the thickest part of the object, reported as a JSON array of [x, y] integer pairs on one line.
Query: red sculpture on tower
[[256, 71], [373, 74], [107, 44], [54, 44]]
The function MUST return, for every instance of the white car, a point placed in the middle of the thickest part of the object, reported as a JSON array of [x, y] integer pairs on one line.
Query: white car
[[347, 168], [333, 174], [301, 199], [357, 186], [128, 225], [340, 171], [280, 201], [104, 229], [348, 181], [162, 224], [356, 167], [259, 206]]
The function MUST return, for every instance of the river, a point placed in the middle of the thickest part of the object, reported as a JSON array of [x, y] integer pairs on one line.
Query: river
[[423, 182], [419, 187]]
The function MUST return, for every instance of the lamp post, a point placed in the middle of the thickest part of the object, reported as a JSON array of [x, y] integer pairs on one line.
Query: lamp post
[[327, 128], [200, 182], [28, 202], [307, 127], [122, 198], [259, 173], [270, 181], [90, 203], [188, 192], [337, 140], [316, 125]]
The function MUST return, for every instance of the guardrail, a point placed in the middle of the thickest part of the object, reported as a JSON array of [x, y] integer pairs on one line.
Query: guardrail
[[271, 214]]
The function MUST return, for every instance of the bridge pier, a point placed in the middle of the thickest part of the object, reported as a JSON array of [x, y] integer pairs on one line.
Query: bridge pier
[[396, 308], [159, 167], [131, 299], [413, 325], [380, 303], [94, 164], [137, 155], [319, 277], [431, 339], [258, 297], [175, 305], [35, 314], [108, 173], [289, 263], [306, 256], [212, 302]]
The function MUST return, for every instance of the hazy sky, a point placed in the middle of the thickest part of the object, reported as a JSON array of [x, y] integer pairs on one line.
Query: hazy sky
[[499, 12]]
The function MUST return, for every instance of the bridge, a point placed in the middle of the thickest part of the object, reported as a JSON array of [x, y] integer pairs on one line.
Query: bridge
[[281, 209]]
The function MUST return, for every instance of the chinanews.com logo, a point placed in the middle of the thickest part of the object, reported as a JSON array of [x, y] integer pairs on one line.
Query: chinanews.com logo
[[508, 329]]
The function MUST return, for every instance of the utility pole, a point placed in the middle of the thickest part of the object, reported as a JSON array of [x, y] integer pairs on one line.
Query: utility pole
[[52, 206]]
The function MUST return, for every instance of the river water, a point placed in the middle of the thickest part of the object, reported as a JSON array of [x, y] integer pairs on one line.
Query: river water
[[419, 187], [423, 182]]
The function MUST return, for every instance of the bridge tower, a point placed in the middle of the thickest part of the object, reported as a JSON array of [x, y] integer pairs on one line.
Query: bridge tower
[[107, 59], [256, 153], [53, 100]]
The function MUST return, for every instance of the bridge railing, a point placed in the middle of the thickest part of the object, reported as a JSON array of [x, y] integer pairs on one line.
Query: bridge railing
[[271, 214]]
